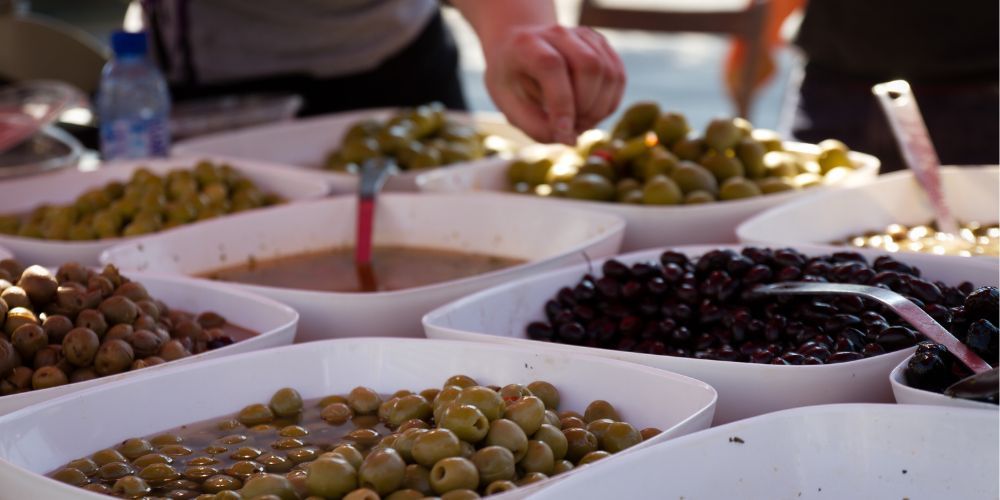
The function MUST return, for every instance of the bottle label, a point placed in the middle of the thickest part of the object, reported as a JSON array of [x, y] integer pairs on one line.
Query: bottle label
[[140, 138]]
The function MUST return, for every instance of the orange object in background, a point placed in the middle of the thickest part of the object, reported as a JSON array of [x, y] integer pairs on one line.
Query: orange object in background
[[777, 12]]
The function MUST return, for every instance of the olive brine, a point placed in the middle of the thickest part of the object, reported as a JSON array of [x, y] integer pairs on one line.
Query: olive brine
[[460, 441]]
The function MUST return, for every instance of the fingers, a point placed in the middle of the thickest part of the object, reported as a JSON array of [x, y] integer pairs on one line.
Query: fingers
[[519, 99], [586, 65], [613, 82], [546, 65]]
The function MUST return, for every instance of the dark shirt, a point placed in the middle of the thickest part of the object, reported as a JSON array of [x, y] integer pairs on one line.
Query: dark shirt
[[918, 40]]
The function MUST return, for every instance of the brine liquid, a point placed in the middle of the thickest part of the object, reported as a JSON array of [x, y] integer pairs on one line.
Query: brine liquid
[[333, 270]]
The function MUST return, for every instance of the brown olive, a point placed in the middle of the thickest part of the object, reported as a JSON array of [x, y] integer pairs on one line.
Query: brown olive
[[173, 350], [144, 342], [80, 346], [50, 355], [19, 380], [72, 272], [114, 356], [56, 327], [18, 316], [132, 290], [39, 283], [28, 339], [119, 309], [15, 296], [94, 320]]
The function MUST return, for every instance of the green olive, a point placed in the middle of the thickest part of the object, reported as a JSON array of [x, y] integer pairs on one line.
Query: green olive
[[508, 434], [454, 473], [286, 402], [499, 487], [722, 165], [600, 409], [579, 442], [255, 414], [107, 456], [689, 149], [554, 438], [619, 436], [637, 119], [466, 421], [531, 478], [135, 448], [417, 477], [362, 494], [833, 154], [409, 407], [537, 172], [221, 482], [269, 484], [599, 166], [538, 458], [737, 187], [71, 476], [661, 190], [698, 196], [330, 477], [657, 165], [382, 471], [363, 400], [751, 155], [631, 150], [349, 453], [690, 176], [488, 401], [435, 445], [591, 187], [722, 134], [547, 392], [593, 457], [671, 127], [494, 463]]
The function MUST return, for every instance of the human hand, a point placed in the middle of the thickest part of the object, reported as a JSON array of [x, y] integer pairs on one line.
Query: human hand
[[553, 82]]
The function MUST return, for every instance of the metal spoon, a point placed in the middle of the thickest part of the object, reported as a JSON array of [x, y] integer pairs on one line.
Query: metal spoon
[[908, 127], [907, 310], [373, 175]]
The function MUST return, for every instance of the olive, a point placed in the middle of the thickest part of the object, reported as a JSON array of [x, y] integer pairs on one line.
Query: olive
[[693, 177], [221, 482], [150, 459], [722, 165], [133, 290], [561, 466], [531, 478], [722, 134], [114, 356], [637, 119], [93, 320], [554, 438], [119, 309], [405, 494], [135, 448], [499, 487], [571, 422], [593, 457], [454, 473], [84, 465], [538, 458], [537, 172], [269, 484], [19, 380], [107, 456], [409, 407], [661, 190], [780, 164], [659, 162], [383, 471], [629, 151], [596, 165], [349, 453], [461, 494], [698, 196], [330, 477], [808, 179], [336, 413], [172, 350], [579, 442], [528, 413], [131, 487], [832, 154], [199, 472], [363, 400], [546, 392], [737, 187], [600, 409], [9, 358], [751, 155], [688, 149], [245, 453], [619, 436], [770, 185], [512, 392], [255, 414], [494, 463], [434, 445], [671, 127], [286, 402], [28, 339], [509, 435], [70, 476], [466, 421], [362, 494], [15, 296], [591, 187], [364, 437], [39, 283], [649, 432], [48, 376], [115, 470], [99, 488]]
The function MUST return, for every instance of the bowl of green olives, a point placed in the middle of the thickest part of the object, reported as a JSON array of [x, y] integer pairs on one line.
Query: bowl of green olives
[[672, 186], [417, 139], [71, 328], [859, 217], [686, 309], [74, 215], [335, 416], [514, 239], [835, 451]]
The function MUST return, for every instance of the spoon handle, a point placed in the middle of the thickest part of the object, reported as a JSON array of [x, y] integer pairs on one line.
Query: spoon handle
[[373, 175], [902, 306], [908, 127]]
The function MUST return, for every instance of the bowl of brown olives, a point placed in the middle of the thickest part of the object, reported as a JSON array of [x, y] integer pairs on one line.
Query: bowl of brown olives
[[692, 310], [73, 327], [417, 139], [892, 214], [74, 215], [673, 186], [334, 417]]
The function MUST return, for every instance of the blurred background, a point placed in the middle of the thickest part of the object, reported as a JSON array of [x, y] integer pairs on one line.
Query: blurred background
[[680, 70]]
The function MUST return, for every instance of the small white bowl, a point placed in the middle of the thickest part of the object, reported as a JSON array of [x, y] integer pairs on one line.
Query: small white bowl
[[651, 227], [23, 195], [274, 323], [834, 451], [501, 314], [307, 143], [39, 439], [912, 396], [546, 236], [972, 193]]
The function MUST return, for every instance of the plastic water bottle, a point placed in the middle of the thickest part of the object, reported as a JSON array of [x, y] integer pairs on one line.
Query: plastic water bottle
[[133, 102]]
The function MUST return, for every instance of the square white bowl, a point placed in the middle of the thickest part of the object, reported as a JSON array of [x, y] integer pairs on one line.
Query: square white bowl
[[39, 439], [907, 395], [307, 142], [500, 315], [649, 226], [972, 193], [273, 323], [836, 451], [23, 195], [546, 236]]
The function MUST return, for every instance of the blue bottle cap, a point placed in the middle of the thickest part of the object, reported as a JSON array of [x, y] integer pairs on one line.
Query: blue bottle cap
[[126, 44]]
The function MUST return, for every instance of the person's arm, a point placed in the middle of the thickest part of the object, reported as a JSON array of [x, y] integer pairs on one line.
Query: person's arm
[[550, 81]]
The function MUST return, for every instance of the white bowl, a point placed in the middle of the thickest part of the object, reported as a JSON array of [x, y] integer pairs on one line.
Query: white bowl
[[973, 194], [274, 323], [23, 195], [835, 451], [912, 396], [42, 438], [651, 227], [745, 389], [547, 237], [308, 142], [5, 254]]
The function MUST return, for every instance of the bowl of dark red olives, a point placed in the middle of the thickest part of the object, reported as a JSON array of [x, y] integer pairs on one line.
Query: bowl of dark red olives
[[73, 327], [923, 377], [693, 310], [351, 418]]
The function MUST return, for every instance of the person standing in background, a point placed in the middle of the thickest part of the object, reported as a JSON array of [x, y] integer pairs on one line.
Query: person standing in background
[[550, 81], [947, 51]]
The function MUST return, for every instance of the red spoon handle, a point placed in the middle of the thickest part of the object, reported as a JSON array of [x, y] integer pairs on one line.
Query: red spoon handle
[[363, 249]]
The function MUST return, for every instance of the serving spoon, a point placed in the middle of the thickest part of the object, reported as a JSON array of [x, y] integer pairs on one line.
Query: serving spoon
[[372, 177], [982, 383]]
